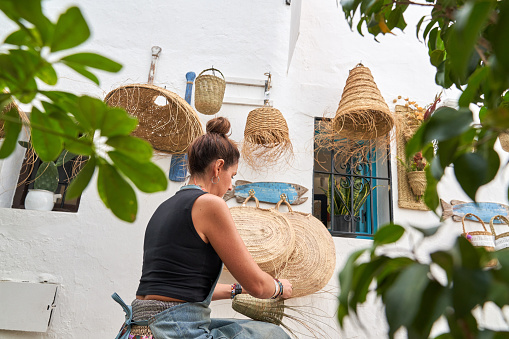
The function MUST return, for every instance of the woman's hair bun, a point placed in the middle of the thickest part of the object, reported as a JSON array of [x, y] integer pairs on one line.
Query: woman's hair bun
[[218, 125]]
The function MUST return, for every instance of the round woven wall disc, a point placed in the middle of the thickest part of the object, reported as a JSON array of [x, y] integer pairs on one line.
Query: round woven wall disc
[[313, 260], [267, 234], [165, 120], [362, 113]]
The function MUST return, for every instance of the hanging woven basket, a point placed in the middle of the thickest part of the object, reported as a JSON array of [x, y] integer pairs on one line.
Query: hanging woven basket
[[362, 113], [409, 123], [417, 182], [209, 92], [313, 260], [165, 120], [266, 138], [504, 141], [267, 234]]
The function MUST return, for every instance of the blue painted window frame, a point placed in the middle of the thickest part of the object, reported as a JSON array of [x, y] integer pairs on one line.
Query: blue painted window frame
[[367, 223]]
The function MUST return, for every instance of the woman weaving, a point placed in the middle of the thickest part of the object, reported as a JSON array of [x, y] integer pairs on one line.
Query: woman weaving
[[187, 240]]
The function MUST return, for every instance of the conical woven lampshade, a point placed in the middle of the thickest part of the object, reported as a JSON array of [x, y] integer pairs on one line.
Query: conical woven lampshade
[[266, 138], [362, 113]]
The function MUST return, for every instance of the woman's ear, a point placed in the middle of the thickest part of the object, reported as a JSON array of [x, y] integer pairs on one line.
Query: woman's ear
[[220, 164]]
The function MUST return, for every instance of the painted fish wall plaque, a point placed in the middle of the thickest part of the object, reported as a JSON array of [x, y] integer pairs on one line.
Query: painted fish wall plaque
[[267, 191], [484, 210]]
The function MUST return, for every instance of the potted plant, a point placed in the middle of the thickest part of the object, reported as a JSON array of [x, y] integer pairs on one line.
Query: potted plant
[[42, 197], [416, 174], [349, 196]]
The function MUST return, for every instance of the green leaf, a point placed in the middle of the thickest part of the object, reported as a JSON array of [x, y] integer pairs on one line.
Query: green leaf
[[83, 71], [116, 193], [71, 30], [418, 27], [11, 130], [436, 57], [443, 75], [19, 38], [345, 281], [82, 145], [388, 234], [147, 176], [48, 146], [471, 171], [472, 92], [445, 261], [131, 146], [25, 144], [65, 157], [47, 74], [81, 181], [427, 232], [91, 112], [431, 195], [446, 123], [94, 61], [473, 283], [403, 298], [470, 19], [117, 122], [434, 301]]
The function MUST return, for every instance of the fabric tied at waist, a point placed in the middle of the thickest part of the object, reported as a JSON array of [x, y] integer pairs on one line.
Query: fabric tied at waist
[[125, 330]]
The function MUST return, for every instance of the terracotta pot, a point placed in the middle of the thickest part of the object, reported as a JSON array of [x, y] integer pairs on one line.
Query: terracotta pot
[[417, 182]]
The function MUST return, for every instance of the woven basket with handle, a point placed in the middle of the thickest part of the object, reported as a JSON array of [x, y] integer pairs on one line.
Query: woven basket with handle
[[209, 92], [480, 238], [502, 239], [417, 182]]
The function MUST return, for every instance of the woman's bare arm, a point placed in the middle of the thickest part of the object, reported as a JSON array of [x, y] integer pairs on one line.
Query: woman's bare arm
[[212, 220]]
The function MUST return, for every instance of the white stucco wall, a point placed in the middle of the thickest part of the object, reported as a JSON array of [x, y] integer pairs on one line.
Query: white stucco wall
[[92, 254]]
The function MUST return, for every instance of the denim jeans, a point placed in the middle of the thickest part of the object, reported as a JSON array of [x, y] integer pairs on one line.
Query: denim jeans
[[192, 321]]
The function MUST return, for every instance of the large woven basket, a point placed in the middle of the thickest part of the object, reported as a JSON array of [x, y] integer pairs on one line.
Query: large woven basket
[[313, 260], [502, 239], [267, 234], [209, 92], [362, 113], [165, 120]]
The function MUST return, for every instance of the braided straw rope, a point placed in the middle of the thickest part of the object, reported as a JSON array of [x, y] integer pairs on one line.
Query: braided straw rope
[[312, 262], [266, 138], [267, 234], [501, 240], [209, 92], [169, 127], [362, 113]]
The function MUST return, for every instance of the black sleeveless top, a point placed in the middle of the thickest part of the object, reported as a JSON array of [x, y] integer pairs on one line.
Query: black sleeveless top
[[176, 261]]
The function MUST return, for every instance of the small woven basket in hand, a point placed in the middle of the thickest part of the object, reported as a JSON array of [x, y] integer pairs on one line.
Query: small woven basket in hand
[[313, 260], [362, 113], [209, 92], [266, 138], [502, 239], [165, 120], [268, 310], [480, 238], [267, 234]]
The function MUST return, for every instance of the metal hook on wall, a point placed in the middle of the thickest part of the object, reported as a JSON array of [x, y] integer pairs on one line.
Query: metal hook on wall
[[268, 86]]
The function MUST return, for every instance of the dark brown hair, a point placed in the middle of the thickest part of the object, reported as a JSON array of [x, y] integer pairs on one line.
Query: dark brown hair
[[214, 145]]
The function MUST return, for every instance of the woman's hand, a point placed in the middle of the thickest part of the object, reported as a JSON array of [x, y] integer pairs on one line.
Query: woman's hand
[[287, 288]]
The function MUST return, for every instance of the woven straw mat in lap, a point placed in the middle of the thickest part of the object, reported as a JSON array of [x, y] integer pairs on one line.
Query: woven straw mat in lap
[[165, 120]]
